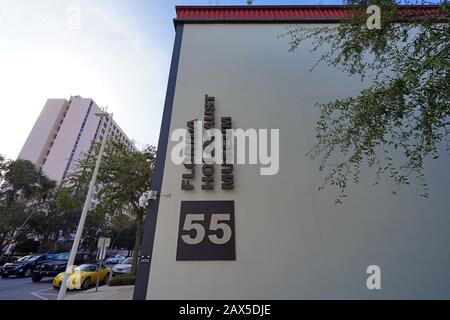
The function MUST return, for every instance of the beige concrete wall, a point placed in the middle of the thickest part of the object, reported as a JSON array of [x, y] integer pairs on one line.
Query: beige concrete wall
[[291, 240], [42, 131]]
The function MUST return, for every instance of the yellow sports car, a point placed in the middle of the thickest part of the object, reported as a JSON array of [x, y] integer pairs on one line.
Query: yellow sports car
[[83, 277]]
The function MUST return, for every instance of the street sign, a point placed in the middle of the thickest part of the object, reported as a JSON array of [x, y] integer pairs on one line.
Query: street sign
[[102, 244]]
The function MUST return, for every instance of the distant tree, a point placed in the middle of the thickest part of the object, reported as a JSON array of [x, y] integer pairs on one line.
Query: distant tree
[[69, 204], [123, 232], [21, 180], [12, 216], [403, 116], [23, 193], [57, 216], [3, 166], [96, 226]]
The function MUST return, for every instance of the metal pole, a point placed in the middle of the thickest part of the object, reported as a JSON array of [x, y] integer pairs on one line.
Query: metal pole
[[76, 241], [98, 268]]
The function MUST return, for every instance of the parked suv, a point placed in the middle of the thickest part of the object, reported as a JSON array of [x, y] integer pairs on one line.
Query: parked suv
[[24, 266], [58, 265]]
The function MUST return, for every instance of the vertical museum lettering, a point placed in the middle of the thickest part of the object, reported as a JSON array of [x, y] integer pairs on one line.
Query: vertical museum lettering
[[208, 169]]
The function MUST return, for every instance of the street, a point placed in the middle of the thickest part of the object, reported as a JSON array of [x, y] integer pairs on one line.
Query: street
[[15, 288]]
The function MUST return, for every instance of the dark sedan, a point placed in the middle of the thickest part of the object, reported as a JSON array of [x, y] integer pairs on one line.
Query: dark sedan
[[24, 266]]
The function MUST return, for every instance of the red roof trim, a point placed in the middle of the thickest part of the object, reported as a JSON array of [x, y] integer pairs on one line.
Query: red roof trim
[[270, 13]]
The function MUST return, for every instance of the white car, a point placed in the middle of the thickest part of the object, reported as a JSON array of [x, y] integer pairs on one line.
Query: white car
[[116, 259], [122, 268]]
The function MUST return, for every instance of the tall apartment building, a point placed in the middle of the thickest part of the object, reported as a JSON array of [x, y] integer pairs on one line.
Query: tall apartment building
[[65, 130]]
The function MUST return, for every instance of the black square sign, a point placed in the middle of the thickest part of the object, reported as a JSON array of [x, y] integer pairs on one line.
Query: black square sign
[[206, 231]]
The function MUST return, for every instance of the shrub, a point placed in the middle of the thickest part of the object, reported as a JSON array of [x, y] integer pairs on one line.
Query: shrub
[[122, 280]]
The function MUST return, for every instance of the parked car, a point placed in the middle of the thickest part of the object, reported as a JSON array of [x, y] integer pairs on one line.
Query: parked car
[[122, 268], [59, 264], [24, 266], [116, 259], [83, 277]]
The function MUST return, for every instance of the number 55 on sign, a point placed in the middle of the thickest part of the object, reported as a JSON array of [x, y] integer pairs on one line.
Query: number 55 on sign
[[206, 231]]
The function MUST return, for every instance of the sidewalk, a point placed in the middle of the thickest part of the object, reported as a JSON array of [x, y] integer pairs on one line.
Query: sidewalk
[[105, 293]]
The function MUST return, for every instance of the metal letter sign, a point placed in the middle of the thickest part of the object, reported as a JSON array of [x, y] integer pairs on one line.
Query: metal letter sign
[[206, 231]]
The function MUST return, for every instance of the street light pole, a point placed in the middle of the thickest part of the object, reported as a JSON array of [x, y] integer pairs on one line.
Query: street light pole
[[76, 241]]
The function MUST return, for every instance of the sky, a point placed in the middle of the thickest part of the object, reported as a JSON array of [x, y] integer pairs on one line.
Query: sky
[[114, 51]]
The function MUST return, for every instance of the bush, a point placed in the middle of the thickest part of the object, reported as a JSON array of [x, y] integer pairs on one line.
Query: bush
[[122, 280]]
